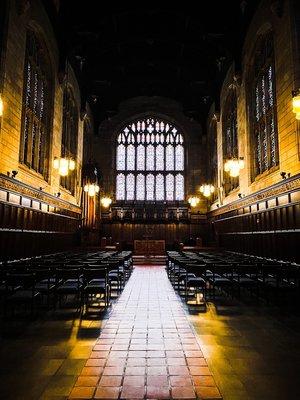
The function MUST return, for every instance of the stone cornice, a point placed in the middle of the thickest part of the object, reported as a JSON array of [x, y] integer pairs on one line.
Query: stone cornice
[[13, 185], [277, 189]]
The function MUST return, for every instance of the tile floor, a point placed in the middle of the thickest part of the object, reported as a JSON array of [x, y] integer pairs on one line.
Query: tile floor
[[147, 348], [253, 352]]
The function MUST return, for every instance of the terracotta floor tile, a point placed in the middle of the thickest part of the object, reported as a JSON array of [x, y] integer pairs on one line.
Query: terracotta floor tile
[[107, 393], [136, 354], [97, 354], [87, 381], [193, 353], [82, 393], [203, 380], [211, 393], [102, 347], [134, 380], [176, 361], [157, 370], [118, 354], [156, 361], [92, 371], [157, 392], [183, 393], [131, 392], [155, 354], [110, 380], [199, 370], [135, 371], [113, 370], [95, 362], [153, 380], [178, 370], [173, 354], [196, 361], [115, 362], [180, 381], [136, 362]]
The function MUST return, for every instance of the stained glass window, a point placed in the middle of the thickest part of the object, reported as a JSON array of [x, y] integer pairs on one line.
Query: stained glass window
[[179, 187], [120, 186], [230, 135], [265, 137], [69, 136], [37, 99], [159, 187], [148, 145]]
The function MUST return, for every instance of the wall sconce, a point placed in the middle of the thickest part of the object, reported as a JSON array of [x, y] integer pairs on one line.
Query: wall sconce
[[218, 205], [63, 165], [91, 189], [207, 189], [12, 174], [193, 201], [106, 202], [1, 106], [57, 194], [285, 175], [233, 166], [296, 103], [241, 195]]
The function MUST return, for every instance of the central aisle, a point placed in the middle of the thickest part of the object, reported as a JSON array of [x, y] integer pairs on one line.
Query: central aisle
[[147, 348]]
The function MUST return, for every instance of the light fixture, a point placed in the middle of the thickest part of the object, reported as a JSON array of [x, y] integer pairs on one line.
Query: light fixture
[[63, 165], [1, 106], [207, 189], [296, 103], [91, 189], [106, 202], [193, 201], [233, 166]]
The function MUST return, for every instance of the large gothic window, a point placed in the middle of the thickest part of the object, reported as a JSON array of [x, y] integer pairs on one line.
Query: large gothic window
[[37, 97], [150, 162], [230, 137], [264, 107], [69, 137]]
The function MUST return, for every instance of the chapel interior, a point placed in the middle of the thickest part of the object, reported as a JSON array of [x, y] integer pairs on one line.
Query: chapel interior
[[149, 200]]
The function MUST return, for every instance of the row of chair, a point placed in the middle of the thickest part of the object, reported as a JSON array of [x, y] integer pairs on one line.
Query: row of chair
[[205, 272], [84, 276]]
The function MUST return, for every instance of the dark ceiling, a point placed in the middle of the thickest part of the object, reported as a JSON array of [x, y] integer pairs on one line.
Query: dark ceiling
[[154, 49]]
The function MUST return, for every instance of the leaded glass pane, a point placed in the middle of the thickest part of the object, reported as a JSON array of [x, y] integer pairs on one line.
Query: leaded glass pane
[[160, 187], [140, 187], [160, 158], [130, 158], [140, 158], [150, 187], [169, 157], [150, 157], [170, 187], [120, 187], [179, 187], [121, 157], [264, 107], [148, 145], [179, 158], [130, 187]]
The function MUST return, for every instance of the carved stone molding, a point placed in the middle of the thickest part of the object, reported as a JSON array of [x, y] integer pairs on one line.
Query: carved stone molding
[[278, 189], [15, 186]]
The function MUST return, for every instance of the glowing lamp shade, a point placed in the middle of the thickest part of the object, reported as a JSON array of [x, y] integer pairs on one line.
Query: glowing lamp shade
[[296, 106], [63, 165], [1, 106], [91, 189], [207, 189], [106, 202], [233, 166], [193, 201]]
